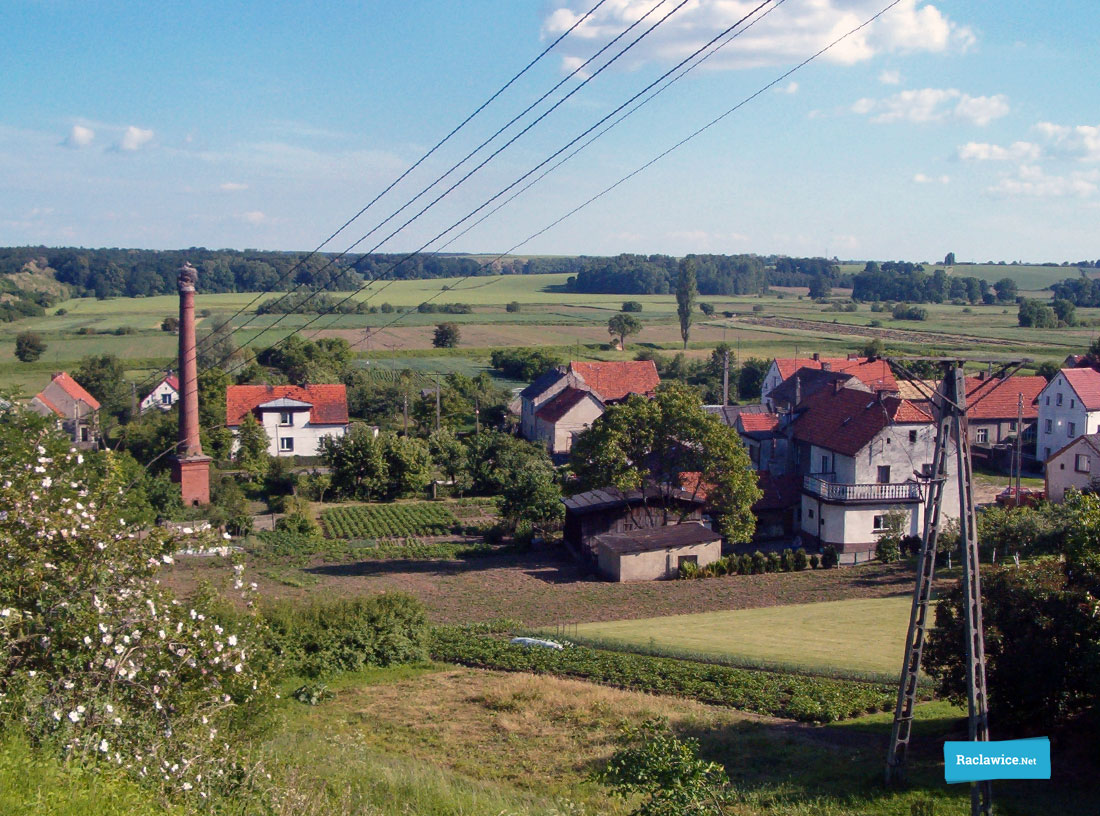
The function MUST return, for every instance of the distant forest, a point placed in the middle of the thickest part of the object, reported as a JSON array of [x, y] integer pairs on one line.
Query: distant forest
[[107, 273]]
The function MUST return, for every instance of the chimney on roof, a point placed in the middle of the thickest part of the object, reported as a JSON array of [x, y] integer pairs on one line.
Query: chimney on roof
[[853, 356], [826, 366], [816, 356], [797, 390]]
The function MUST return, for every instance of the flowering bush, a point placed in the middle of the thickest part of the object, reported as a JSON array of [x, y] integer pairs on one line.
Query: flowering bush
[[94, 655]]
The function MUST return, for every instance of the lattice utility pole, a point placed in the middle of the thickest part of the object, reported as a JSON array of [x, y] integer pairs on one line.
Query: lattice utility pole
[[950, 409]]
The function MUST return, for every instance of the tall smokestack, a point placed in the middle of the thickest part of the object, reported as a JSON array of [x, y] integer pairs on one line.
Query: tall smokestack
[[190, 468]]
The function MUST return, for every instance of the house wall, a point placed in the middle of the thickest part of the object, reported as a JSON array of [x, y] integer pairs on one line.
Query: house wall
[[1058, 418], [529, 407], [153, 400], [850, 528], [307, 437], [654, 565], [558, 436], [996, 430], [771, 380], [1062, 472]]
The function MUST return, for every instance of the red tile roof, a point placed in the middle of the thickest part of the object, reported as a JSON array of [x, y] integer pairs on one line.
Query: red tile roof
[[1086, 382], [872, 372], [71, 387], [999, 398], [614, 381], [562, 403], [173, 381], [755, 423], [845, 421], [329, 402]]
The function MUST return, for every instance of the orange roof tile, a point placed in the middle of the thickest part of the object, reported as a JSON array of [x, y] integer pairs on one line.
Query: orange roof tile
[[1086, 382], [873, 372], [845, 421], [74, 389], [614, 381], [996, 398], [755, 423], [329, 402]]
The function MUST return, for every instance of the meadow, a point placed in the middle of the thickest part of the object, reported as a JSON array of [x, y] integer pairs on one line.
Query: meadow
[[783, 323], [858, 637]]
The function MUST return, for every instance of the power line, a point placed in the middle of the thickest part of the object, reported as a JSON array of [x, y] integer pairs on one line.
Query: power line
[[486, 160]]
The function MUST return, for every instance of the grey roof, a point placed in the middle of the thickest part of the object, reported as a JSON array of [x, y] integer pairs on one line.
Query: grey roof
[[729, 413], [542, 383], [810, 381], [657, 538], [593, 500]]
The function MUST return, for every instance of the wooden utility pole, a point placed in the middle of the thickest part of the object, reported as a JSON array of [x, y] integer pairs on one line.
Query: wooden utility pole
[[437, 402], [405, 411], [1019, 444], [477, 416]]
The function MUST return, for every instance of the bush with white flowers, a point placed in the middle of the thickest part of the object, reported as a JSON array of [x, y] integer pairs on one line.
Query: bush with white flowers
[[95, 657]]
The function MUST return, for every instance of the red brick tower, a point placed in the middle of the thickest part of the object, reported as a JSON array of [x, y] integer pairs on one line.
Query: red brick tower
[[190, 468]]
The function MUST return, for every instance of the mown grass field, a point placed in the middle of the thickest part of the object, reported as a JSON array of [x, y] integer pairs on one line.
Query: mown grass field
[[860, 637]]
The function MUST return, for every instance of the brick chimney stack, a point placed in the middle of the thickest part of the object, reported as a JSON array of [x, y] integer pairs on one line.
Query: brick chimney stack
[[190, 468]]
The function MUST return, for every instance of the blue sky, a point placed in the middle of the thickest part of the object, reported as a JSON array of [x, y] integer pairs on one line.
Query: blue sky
[[971, 127]]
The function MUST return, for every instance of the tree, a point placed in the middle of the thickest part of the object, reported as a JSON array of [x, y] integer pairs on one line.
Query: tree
[[623, 325], [949, 259], [706, 308], [446, 335], [888, 547], [252, 454], [529, 488], [631, 306], [1006, 290], [29, 346], [409, 463], [512, 307], [873, 348], [751, 378], [103, 376], [1066, 311], [665, 442], [217, 348], [819, 287], [449, 455], [358, 463], [687, 290], [170, 324], [1036, 315]]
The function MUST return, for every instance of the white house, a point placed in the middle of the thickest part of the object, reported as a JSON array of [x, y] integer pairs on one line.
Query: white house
[[1069, 407], [296, 418], [862, 456], [1076, 465], [164, 395]]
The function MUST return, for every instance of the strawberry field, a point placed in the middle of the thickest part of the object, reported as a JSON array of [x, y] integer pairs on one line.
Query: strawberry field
[[388, 520]]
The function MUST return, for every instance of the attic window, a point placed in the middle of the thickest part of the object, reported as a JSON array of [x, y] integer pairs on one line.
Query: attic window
[[912, 437]]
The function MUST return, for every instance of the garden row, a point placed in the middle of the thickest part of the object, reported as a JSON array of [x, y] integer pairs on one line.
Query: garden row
[[758, 563], [388, 520], [809, 699], [281, 546]]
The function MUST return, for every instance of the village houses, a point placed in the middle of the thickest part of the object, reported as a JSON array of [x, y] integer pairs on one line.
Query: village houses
[[1068, 407], [1077, 466], [164, 395], [295, 417], [76, 411]]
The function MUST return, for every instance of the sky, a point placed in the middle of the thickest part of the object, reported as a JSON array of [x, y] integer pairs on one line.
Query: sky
[[948, 126]]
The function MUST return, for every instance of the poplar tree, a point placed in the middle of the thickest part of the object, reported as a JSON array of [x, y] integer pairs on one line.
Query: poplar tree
[[686, 291]]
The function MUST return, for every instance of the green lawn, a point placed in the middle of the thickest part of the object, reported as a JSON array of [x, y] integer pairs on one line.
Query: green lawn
[[862, 637]]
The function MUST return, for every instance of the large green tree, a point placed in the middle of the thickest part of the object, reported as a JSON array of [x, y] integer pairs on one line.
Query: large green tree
[[29, 346], [622, 326], [687, 290], [665, 441], [103, 375]]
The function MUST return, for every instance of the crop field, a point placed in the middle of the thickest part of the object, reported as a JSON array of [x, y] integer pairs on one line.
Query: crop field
[[388, 520], [861, 637]]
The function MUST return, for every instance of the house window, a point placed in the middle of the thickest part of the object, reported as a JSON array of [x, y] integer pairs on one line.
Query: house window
[[1071, 429], [1073, 403], [824, 464], [912, 437], [810, 512], [884, 474], [286, 443], [1082, 463], [878, 524], [1012, 425], [982, 435], [165, 399], [286, 418], [926, 470], [1046, 454], [1058, 399], [1048, 399], [1048, 426], [84, 433]]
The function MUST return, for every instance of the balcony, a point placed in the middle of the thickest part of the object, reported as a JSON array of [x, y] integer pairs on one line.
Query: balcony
[[834, 491]]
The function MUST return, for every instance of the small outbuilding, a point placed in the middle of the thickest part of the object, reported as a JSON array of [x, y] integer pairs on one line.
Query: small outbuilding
[[656, 553]]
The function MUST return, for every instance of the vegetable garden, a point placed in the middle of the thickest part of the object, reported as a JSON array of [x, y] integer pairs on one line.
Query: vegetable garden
[[388, 520]]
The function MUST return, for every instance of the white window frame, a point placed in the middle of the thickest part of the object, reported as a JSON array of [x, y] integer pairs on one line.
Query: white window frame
[[981, 435], [1071, 429], [1049, 427], [286, 419], [1078, 459], [166, 398], [286, 444], [878, 524]]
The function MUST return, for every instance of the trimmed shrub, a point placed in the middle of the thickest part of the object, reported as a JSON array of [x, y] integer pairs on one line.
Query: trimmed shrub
[[745, 564], [759, 563], [829, 557], [799, 559], [773, 563], [815, 562], [786, 561]]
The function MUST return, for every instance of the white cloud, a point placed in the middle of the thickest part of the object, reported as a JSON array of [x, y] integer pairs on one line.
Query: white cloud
[[135, 138], [253, 217], [934, 105], [80, 136], [983, 151], [233, 186], [790, 88], [890, 77], [1078, 142], [921, 178], [795, 30], [1033, 181]]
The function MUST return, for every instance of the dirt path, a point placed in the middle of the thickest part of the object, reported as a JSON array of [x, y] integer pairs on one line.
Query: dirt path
[[902, 335]]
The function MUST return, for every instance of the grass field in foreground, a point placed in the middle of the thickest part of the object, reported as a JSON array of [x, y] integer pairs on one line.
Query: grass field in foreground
[[861, 637]]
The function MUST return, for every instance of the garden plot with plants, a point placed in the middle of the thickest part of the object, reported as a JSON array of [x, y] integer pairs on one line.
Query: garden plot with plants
[[388, 520]]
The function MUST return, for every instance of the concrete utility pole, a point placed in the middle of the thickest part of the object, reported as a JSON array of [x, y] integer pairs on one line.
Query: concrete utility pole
[[726, 377], [1019, 441], [477, 416], [437, 402], [405, 411]]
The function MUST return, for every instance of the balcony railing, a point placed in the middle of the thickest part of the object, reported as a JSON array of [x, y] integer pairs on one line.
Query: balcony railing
[[834, 491]]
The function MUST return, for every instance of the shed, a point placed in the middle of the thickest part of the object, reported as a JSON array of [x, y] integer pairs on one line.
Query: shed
[[611, 510], [656, 553]]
